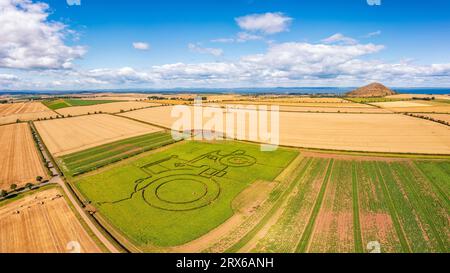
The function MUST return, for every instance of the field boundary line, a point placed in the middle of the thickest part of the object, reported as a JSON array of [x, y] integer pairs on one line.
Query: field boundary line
[[306, 236], [393, 211], [358, 246]]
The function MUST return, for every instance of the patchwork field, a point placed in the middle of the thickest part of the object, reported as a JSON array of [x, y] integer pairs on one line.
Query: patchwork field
[[180, 193], [416, 106], [69, 135], [304, 102], [20, 161], [358, 205], [64, 103], [21, 108], [10, 113], [353, 132], [436, 117], [411, 96], [111, 108], [42, 223], [323, 108], [94, 158]]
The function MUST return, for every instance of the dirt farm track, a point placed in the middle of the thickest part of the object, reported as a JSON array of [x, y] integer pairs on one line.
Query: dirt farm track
[[42, 223], [20, 161]]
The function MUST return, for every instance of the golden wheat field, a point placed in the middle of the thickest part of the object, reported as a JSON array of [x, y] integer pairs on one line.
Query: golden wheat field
[[10, 113], [337, 131], [421, 96], [42, 223], [303, 102], [68, 135], [436, 117], [417, 106], [309, 109], [20, 160], [111, 108]]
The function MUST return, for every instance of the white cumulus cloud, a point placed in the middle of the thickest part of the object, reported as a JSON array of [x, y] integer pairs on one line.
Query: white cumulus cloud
[[339, 38], [28, 40], [205, 50], [267, 23], [141, 46]]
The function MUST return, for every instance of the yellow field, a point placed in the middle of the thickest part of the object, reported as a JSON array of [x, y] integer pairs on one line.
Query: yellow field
[[69, 135], [313, 109], [417, 106], [436, 117], [20, 161], [411, 96], [304, 102], [42, 223], [111, 108], [10, 113], [354, 132]]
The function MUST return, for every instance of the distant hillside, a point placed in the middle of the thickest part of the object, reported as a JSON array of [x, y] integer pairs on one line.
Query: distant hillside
[[371, 90]]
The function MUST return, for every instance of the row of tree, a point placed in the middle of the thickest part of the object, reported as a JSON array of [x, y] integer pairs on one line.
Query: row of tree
[[13, 187]]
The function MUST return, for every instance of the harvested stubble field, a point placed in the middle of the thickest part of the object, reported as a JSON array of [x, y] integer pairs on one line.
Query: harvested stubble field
[[42, 223], [436, 117], [352, 132], [70, 135], [411, 96], [324, 108], [10, 113], [303, 103], [342, 205], [111, 108], [416, 106], [182, 192], [94, 158], [20, 161]]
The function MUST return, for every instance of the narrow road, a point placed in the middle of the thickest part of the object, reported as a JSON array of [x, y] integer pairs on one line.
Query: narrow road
[[57, 179]]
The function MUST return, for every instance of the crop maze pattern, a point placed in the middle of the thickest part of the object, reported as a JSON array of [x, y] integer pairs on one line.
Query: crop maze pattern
[[197, 175]]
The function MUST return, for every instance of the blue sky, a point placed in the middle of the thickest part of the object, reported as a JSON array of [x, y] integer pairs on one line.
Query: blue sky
[[234, 43]]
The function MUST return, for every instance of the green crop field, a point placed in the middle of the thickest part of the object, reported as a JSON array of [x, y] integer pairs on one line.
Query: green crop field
[[358, 206], [100, 156], [64, 103], [180, 193]]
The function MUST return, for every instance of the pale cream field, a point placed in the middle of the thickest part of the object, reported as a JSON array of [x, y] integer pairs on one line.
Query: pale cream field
[[69, 135], [42, 223], [20, 161], [438, 117], [111, 108], [411, 96], [417, 106], [309, 109], [306, 102], [10, 113], [353, 132]]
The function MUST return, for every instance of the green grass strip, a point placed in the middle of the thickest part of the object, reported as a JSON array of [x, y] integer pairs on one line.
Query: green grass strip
[[304, 241], [356, 223], [281, 198], [393, 211]]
